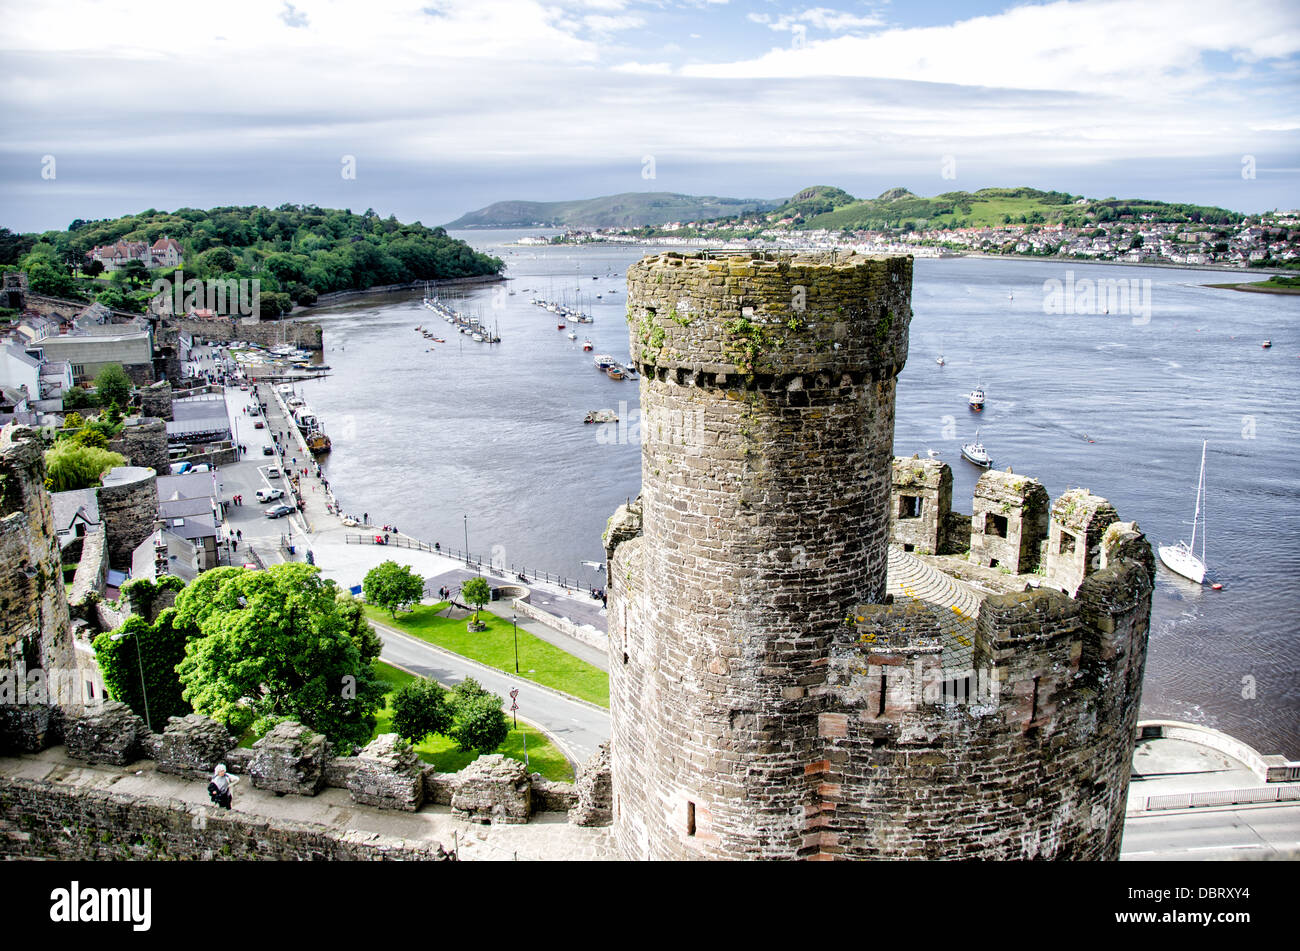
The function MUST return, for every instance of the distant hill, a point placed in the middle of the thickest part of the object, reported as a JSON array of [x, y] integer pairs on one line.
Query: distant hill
[[628, 210], [822, 207]]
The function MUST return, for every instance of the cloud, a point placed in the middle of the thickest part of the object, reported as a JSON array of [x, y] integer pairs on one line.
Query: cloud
[[293, 17], [821, 18]]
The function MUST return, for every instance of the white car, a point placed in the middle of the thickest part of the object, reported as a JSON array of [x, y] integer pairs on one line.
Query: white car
[[272, 472], [269, 495]]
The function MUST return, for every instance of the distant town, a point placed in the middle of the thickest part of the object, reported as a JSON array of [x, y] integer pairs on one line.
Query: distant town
[[1049, 224]]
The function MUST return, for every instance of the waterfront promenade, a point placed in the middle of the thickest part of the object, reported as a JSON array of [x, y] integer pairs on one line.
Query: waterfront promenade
[[576, 726]]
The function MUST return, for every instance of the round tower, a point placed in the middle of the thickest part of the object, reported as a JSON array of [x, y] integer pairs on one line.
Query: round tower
[[128, 505], [767, 394]]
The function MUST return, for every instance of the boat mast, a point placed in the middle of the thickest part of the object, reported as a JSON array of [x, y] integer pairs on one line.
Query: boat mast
[[1200, 487]]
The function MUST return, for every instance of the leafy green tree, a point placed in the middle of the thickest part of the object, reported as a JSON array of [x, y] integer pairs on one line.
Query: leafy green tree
[[475, 591], [113, 386], [77, 398], [392, 587], [134, 272], [478, 723], [421, 707], [150, 651], [72, 466], [93, 438], [358, 628], [94, 268], [274, 643]]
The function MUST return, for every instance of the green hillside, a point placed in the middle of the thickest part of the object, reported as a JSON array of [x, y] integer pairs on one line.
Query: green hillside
[[628, 210], [988, 207]]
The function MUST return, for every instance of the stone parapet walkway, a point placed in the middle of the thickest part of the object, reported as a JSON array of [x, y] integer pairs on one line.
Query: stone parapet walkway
[[546, 837], [953, 605]]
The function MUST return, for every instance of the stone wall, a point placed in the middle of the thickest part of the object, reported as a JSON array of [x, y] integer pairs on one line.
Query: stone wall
[[1074, 545], [45, 820], [767, 396], [35, 625], [296, 333], [1009, 522]]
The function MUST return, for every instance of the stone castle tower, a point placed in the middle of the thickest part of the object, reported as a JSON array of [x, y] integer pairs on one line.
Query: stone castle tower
[[767, 699]]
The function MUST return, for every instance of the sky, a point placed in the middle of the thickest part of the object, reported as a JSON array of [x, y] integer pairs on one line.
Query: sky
[[427, 109]]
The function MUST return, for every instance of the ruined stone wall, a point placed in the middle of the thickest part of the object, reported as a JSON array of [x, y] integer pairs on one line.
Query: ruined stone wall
[[45, 820], [768, 412], [156, 400], [295, 333], [34, 620]]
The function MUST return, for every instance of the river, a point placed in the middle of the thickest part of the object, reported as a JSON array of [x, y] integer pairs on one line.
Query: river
[[457, 440]]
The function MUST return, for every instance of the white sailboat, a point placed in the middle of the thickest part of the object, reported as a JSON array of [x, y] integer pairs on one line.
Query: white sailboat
[[1181, 558]]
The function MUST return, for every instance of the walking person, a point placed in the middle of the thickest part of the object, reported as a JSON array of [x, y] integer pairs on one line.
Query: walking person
[[219, 789]]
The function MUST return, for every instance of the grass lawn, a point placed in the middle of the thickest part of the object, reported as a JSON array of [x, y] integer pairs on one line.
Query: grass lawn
[[539, 661], [543, 756]]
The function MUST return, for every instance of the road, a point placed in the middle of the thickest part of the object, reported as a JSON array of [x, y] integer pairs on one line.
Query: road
[[578, 727], [1212, 833]]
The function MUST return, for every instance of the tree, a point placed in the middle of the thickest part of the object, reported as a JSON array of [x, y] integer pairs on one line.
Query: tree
[[475, 591], [94, 267], [87, 436], [71, 466], [358, 628], [421, 707], [148, 650], [392, 587], [113, 385], [274, 643], [134, 272], [478, 722]]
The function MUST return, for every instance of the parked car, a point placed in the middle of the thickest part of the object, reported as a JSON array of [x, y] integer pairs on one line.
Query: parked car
[[201, 467], [269, 495], [259, 425], [273, 472], [280, 511], [268, 451]]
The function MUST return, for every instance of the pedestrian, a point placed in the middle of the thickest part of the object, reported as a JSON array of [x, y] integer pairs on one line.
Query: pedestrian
[[219, 789], [365, 518], [239, 533], [234, 546]]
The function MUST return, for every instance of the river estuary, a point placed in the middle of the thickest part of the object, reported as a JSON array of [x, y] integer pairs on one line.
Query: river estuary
[[465, 439]]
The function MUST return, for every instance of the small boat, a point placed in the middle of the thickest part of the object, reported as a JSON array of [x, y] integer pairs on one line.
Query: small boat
[[439, 340], [560, 325], [977, 399], [1266, 344], [940, 360], [318, 443], [601, 416], [615, 372], [974, 452], [603, 361], [932, 453], [1181, 558], [572, 335], [586, 345]]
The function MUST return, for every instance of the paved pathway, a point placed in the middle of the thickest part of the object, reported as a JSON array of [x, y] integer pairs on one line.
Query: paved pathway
[[953, 604]]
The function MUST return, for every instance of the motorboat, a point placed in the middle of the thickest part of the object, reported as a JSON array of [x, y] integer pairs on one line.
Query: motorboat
[[601, 416], [975, 452], [977, 399]]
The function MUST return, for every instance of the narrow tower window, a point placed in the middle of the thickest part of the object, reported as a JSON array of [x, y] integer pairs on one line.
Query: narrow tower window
[[690, 818]]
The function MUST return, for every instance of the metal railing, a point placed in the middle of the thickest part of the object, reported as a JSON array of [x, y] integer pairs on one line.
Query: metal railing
[[509, 571], [1224, 797]]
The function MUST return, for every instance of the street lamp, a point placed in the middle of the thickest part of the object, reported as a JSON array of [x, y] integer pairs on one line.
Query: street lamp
[[514, 623], [143, 691], [467, 539]]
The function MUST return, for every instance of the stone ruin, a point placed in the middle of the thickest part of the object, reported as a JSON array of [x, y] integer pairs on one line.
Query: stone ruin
[[388, 774], [919, 504], [493, 789], [1008, 523], [290, 759]]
